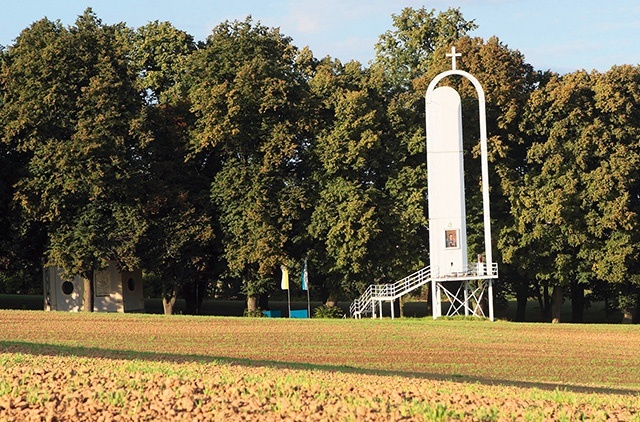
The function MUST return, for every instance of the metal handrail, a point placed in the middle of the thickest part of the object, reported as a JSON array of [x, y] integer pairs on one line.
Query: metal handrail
[[364, 304], [479, 269], [391, 291]]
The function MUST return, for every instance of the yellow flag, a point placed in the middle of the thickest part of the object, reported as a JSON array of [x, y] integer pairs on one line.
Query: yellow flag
[[285, 278]]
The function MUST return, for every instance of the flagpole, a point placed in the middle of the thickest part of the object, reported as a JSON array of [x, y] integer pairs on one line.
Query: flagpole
[[284, 285], [305, 286]]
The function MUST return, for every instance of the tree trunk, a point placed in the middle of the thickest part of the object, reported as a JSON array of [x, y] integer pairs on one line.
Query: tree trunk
[[577, 302], [193, 294], [545, 302], [522, 294], [399, 304], [168, 298], [87, 294], [252, 304], [556, 304], [429, 299], [332, 300], [540, 305], [168, 302]]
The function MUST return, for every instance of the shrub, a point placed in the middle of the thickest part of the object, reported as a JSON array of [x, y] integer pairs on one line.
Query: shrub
[[254, 314], [325, 311]]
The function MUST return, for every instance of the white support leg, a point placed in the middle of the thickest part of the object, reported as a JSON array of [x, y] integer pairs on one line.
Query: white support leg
[[490, 300], [434, 299], [466, 298], [380, 304], [392, 310]]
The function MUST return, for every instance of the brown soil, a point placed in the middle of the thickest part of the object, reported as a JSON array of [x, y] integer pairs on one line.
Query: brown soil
[[68, 367], [72, 389]]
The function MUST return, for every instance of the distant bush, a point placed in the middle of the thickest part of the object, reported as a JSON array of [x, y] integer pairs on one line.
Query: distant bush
[[253, 314], [463, 318], [325, 311]]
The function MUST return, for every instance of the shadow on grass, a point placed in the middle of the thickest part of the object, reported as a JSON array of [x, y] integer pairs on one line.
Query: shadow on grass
[[43, 349]]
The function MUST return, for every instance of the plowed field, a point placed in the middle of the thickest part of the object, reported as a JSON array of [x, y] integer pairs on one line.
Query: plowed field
[[59, 366]]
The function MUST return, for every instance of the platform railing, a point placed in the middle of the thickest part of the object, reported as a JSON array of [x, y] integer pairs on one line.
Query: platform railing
[[364, 305]]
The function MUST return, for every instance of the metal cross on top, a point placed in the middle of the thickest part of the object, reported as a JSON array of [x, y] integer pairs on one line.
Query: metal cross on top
[[453, 56]]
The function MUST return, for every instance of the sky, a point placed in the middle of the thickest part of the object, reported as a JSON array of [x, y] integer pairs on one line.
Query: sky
[[560, 35]]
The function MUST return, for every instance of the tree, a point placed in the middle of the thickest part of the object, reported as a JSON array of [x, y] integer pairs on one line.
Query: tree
[[372, 207], [412, 55], [248, 97], [352, 222], [577, 205], [612, 186], [406, 52], [178, 246], [71, 106]]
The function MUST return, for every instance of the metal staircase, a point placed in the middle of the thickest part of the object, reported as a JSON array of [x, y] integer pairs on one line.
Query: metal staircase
[[378, 293], [365, 304]]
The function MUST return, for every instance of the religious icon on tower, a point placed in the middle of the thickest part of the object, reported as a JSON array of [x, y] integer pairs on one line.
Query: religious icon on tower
[[451, 238]]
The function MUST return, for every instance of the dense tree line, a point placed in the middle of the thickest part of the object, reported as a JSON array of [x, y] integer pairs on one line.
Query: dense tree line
[[211, 164]]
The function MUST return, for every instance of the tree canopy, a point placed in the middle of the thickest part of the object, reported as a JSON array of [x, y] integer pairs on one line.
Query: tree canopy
[[211, 164]]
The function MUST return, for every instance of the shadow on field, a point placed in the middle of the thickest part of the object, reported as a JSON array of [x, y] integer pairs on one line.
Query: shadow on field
[[43, 349]]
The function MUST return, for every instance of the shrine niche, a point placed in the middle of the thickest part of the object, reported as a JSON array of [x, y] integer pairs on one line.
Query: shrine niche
[[114, 290]]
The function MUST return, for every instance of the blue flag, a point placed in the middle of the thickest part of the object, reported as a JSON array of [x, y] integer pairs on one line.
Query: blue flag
[[304, 280]]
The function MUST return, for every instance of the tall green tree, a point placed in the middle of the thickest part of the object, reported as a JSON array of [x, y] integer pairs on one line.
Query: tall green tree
[[347, 215], [22, 242], [178, 245], [406, 52], [577, 204], [71, 104], [248, 96], [412, 55], [371, 212]]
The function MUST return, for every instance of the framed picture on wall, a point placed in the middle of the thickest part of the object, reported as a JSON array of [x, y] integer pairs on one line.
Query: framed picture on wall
[[451, 239]]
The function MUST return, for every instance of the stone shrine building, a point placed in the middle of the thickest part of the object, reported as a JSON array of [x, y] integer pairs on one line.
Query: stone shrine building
[[114, 290]]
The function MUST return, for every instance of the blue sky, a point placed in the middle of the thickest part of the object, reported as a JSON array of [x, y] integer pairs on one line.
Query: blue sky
[[561, 35]]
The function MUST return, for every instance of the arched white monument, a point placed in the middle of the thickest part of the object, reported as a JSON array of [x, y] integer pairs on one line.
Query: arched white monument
[[451, 274], [465, 286]]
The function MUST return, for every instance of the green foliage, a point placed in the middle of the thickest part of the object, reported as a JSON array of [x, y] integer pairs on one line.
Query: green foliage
[[325, 311], [179, 245], [160, 53], [574, 205], [70, 105], [219, 161], [253, 313], [406, 51], [249, 104], [628, 302]]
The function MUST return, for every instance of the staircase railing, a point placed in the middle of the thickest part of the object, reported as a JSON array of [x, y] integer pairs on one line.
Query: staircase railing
[[364, 304]]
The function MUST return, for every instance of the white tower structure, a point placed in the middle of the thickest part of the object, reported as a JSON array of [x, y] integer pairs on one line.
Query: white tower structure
[[465, 286]]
